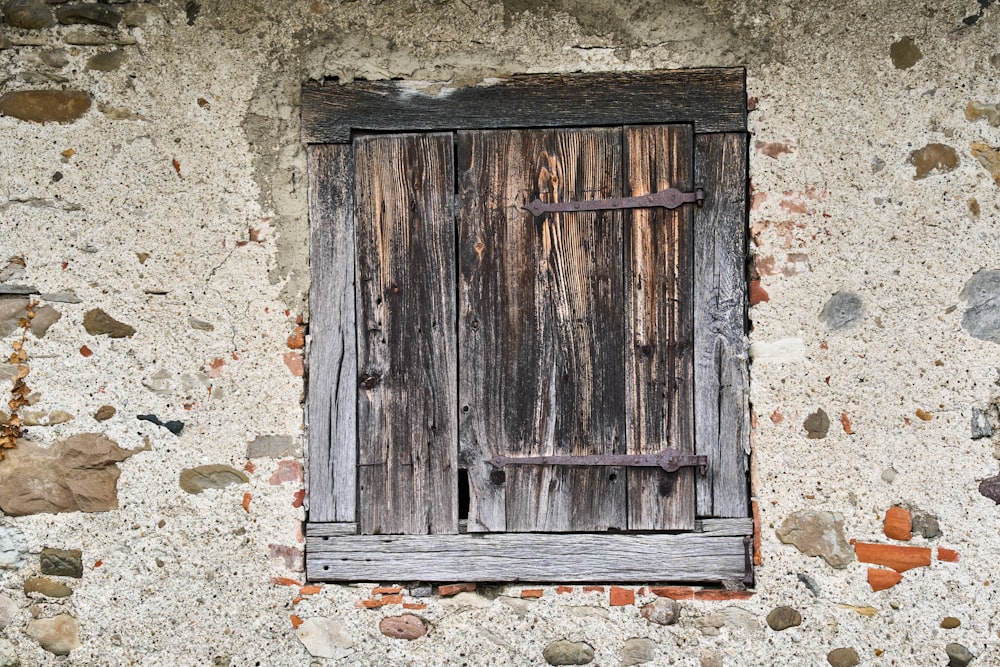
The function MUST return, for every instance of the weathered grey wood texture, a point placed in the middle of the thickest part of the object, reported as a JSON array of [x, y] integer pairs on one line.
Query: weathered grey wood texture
[[332, 364], [407, 430], [564, 557], [659, 331], [715, 527], [722, 412], [713, 99], [541, 348]]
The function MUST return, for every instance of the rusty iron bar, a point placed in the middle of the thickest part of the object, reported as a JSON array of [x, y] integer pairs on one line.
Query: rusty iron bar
[[669, 198], [669, 459]]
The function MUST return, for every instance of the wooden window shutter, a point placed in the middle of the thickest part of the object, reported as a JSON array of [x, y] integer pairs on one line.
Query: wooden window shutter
[[450, 326]]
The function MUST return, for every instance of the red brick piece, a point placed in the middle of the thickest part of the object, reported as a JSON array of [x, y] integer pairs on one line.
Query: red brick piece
[[455, 589], [673, 592], [414, 605], [593, 589], [757, 293], [562, 590], [531, 593], [622, 596], [387, 590], [883, 579], [898, 557], [898, 524], [947, 555]]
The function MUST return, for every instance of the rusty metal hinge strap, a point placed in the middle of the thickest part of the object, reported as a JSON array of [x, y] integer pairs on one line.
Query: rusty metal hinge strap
[[669, 459], [669, 198]]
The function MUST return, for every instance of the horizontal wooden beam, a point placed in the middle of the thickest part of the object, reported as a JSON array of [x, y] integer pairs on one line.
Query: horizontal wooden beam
[[564, 557], [714, 100]]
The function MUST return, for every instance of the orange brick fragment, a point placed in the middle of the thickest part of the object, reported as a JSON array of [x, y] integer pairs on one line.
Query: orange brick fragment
[[455, 589], [898, 557], [758, 556], [620, 597], [296, 622], [414, 605], [845, 421], [310, 590], [298, 497], [898, 524], [883, 579], [757, 293], [947, 555], [297, 340], [387, 590], [673, 592], [561, 590], [531, 593], [285, 581], [723, 595], [593, 589], [85, 351], [246, 501]]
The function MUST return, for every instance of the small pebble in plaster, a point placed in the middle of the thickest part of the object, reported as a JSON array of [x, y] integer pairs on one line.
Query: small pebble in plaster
[[104, 413], [878, 164], [89, 14], [981, 318], [905, 53], [200, 325], [933, 158], [990, 488], [842, 310], [974, 208], [565, 652], [107, 61], [950, 623], [662, 611], [47, 587], [976, 110], [196, 480], [889, 475], [782, 618], [173, 426], [989, 157], [981, 427], [323, 637], [98, 323], [45, 106], [58, 635], [407, 627], [843, 657], [817, 533], [925, 524], [958, 655], [28, 14], [637, 651], [809, 583], [817, 425], [62, 562], [923, 415]]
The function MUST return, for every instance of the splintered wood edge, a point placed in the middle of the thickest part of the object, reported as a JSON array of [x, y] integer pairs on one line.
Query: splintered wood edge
[[714, 100]]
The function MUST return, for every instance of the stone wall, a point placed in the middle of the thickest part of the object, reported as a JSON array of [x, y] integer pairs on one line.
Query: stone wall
[[153, 212]]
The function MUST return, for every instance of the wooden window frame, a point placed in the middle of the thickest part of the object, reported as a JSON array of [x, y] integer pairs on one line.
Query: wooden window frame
[[718, 549]]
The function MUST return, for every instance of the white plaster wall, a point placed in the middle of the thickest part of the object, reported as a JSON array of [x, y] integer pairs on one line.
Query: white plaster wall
[[198, 589]]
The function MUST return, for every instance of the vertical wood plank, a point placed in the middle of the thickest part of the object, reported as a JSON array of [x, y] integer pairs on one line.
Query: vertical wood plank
[[659, 327], [332, 361], [541, 327], [407, 428], [722, 416]]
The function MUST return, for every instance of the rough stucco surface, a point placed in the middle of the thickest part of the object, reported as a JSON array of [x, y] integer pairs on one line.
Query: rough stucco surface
[[169, 209]]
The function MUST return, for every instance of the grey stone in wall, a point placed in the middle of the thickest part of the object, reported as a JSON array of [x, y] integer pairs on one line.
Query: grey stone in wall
[[982, 316], [13, 546], [843, 310]]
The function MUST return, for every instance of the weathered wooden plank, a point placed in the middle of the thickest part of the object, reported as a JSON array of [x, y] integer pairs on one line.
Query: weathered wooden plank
[[646, 557], [720, 347], [541, 344], [332, 361], [713, 99], [716, 527], [659, 379], [407, 430]]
